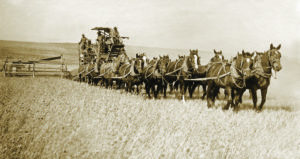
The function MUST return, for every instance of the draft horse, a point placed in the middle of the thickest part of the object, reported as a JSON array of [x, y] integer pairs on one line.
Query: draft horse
[[131, 73], [229, 76], [262, 71], [178, 71]]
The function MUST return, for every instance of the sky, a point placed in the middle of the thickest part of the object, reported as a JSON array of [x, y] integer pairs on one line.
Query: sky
[[228, 25]]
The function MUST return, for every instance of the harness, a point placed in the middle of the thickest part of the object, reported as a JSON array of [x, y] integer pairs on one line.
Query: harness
[[261, 71]]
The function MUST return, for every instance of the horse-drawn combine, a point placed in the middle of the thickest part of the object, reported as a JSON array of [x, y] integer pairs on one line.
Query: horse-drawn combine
[[106, 61], [91, 56]]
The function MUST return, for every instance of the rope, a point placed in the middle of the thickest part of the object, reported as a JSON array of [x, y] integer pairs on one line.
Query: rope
[[122, 76], [90, 72], [81, 72], [173, 71], [103, 74], [208, 78], [244, 83], [149, 68]]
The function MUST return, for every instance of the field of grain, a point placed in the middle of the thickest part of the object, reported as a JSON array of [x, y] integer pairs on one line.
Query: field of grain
[[48, 117], [54, 118]]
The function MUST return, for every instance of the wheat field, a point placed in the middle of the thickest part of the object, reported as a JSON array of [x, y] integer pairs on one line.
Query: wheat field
[[59, 118]]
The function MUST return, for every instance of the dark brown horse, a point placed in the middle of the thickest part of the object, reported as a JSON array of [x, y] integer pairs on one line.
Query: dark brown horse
[[131, 73], [164, 62], [218, 57], [152, 75], [179, 71], [199, 72], [262, 71], [229, 76]]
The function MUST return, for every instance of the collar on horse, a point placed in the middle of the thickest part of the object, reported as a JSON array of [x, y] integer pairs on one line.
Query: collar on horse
[[259, 68]]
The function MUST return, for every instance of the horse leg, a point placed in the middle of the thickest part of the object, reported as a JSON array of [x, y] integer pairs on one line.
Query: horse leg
[[241, 96], [183, 88], [126, 86], [129, 86], [228, 98], [165, 90], [148, 87], [194, 86], [106, 83], [209, 94], [156, 90], [204, 91], [238, 96], [153, 89], [254, 97], [263, 98], [214, 94], [110, 82], [137, 88], [171, 88], [190, 87]]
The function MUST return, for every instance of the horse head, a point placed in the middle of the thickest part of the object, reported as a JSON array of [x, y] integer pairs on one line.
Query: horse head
[[162, 63], [274, 57], [243, 63], [194, 59], [218, 57], [139, 64]]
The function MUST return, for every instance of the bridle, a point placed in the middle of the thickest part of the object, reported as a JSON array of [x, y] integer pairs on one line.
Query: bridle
[[271, 62]]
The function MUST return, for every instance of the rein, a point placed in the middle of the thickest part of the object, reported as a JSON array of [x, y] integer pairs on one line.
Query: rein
[[149, 68], [263, 73], [103, 73]]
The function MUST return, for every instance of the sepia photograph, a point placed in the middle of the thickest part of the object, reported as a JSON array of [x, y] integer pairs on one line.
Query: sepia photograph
[[150, 79]]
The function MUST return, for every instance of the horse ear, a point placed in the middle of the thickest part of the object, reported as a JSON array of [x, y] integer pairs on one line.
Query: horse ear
[[252, 54], [271, 46], [278, 47], [215, 51], [243, 52], [221, 51]]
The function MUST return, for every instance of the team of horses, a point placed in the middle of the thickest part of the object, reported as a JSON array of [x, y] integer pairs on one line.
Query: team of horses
[[242, 72]]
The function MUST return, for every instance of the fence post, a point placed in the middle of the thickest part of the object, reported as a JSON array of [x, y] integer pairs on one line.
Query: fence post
[[4, 67], [33, 70], [62, 68]]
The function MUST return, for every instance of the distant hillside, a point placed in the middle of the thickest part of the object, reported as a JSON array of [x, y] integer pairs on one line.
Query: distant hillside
[[33, 51]]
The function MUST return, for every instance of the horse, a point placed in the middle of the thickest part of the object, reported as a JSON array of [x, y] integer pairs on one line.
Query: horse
[[229, 76], [262, 72], [218, 58], [199, 72], [152, 76], [178, 71], [109, 70], [130, 73], [165, 60]]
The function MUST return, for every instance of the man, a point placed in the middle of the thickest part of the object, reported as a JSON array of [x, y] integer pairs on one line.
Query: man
[[108, 43], [83, 40], [82, 43], [100, 42], [115, 36]]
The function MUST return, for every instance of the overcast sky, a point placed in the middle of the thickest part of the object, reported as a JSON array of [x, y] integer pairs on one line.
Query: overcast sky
[[188, 24]]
